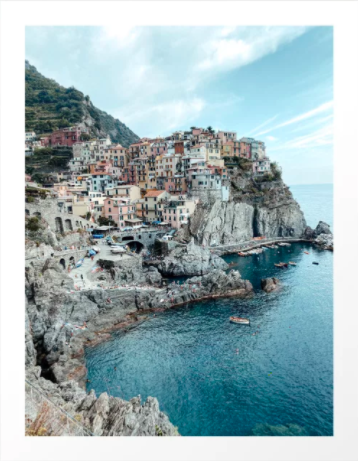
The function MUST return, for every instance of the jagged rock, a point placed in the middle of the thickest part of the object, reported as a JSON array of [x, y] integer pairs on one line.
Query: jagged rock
[[324, 241], [191, 260], [309, 233], [52, 313], [270, 284], [105, 415], [268, 209], [322, 228]]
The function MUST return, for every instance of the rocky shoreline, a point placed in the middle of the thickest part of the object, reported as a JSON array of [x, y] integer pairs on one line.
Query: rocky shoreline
[[62, 320]]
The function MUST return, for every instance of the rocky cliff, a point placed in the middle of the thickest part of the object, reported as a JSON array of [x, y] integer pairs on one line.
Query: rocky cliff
[[261, 207], [55, 337], [190, 260]]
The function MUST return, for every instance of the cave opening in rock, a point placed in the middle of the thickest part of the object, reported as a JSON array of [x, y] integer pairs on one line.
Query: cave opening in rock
[[255, 226]]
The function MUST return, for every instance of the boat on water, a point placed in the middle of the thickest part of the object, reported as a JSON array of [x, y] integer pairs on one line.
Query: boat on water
[[306, 252], [284, 264], [315, 262], [292, 263], [240, 253], [240, 320], [279, 266]]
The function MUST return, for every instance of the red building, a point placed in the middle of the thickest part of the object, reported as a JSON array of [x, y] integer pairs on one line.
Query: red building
[[179, 147], [64, 137]]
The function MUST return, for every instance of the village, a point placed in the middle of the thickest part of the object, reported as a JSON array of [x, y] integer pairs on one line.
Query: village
[[153, 182]]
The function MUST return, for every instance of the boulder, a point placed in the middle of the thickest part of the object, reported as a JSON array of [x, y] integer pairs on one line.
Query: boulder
[[322, 228], [270, 284]]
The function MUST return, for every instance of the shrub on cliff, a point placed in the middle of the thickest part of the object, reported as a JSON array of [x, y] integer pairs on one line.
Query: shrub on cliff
[[105, 264], [276, 171], [32, 224]]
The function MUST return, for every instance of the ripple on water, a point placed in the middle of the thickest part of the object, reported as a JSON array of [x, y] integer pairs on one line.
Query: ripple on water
[[279, 382]]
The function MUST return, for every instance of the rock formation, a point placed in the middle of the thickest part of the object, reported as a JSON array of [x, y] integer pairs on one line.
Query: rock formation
[[270, 284], [55, 341], [321, 236], [255, 209], [191, 260], [102, 416]]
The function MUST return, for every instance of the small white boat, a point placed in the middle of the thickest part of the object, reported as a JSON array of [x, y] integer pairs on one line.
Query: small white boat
[[117, 250], [96, 249], [240, 320]]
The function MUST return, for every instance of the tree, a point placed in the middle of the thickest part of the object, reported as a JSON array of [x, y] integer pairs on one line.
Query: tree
[[85, 137], [63, 123], [276, 171], [210, 129], [103, 221], [32, 224]]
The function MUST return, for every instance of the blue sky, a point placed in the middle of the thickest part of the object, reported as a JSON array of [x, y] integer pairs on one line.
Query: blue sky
[[271, 83]]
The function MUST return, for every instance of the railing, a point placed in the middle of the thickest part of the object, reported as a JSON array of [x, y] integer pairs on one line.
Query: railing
[[44, 418]]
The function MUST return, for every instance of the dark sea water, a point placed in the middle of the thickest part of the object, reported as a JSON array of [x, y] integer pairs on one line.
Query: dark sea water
[[216, 378]]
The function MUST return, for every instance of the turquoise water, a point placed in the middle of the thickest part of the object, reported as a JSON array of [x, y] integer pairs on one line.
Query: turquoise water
[[215, 378], [316, 201]]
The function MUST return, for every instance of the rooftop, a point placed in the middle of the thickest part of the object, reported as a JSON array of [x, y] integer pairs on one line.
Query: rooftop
[[154, 193]]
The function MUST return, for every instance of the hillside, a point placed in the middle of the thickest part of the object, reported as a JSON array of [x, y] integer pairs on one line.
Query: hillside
[[49, 106]]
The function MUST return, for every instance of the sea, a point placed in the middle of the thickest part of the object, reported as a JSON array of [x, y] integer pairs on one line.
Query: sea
[[214, 378]]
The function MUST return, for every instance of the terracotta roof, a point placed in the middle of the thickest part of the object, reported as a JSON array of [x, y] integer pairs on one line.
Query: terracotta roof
[[154, 193]]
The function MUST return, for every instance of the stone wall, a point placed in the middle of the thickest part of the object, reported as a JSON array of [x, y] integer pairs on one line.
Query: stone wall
[[57, 220]]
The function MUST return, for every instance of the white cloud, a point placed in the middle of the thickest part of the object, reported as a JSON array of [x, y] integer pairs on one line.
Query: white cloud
[[244, 47], [322, 108], [321, 137], [271, 138], [262, 125], [169, 115], [119, 36]]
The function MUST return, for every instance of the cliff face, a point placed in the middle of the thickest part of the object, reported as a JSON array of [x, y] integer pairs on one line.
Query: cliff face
[[191, 260], [55, 339], [255, 209]]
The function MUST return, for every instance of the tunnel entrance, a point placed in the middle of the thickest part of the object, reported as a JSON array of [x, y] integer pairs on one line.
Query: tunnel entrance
[[135, 246], [128, 237], [63, 263]]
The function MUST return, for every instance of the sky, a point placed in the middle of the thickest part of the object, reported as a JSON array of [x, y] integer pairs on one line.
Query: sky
[[271, 83]]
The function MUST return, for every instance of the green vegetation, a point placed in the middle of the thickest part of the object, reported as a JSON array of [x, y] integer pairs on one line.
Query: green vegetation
[[102, 221], [105, 264], [48, 159], [49, 106], [32, 224], [276, 171]]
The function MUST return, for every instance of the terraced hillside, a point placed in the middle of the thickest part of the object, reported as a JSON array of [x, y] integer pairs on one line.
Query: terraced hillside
[[49, 106]]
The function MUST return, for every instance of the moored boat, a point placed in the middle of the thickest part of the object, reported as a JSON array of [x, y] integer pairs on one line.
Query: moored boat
[[279, 265], [292, 263], [240, 320]]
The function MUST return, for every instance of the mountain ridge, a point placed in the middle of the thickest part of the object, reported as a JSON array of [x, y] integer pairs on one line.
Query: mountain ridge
[[50, 106]]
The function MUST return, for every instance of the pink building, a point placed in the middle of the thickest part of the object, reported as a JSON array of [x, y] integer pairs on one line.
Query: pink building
[[119, 209], [175, 184]]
